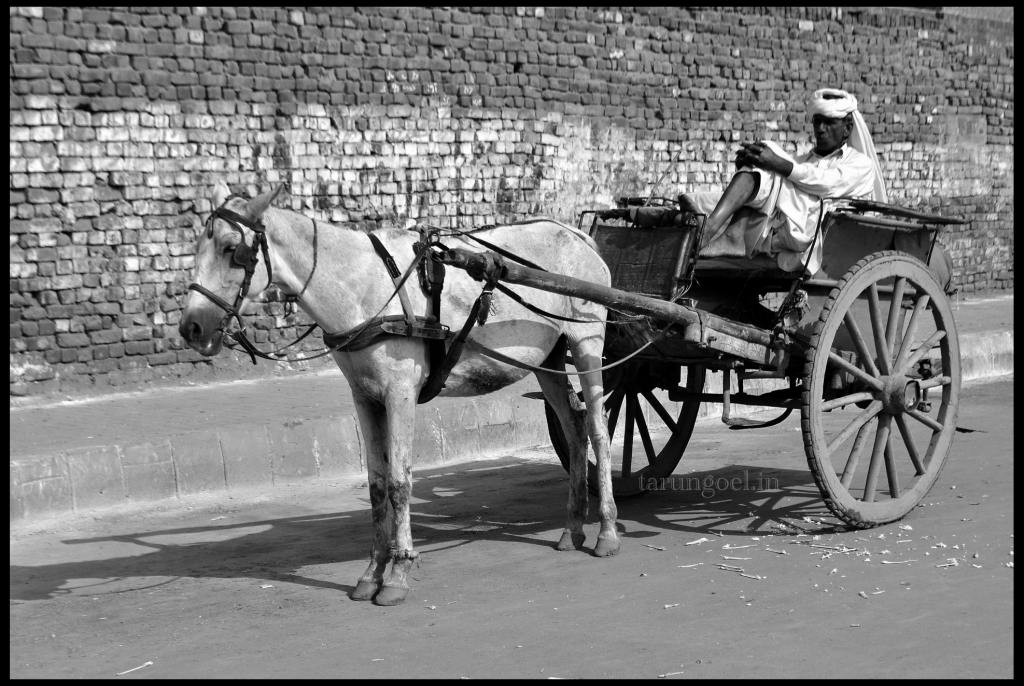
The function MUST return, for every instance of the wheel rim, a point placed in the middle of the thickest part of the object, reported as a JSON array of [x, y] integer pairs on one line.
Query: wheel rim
[[874, 448], [648, 434]]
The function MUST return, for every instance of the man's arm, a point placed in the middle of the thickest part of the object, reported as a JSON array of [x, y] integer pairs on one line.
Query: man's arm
[[762, 156], [848, 178], [852, 177]]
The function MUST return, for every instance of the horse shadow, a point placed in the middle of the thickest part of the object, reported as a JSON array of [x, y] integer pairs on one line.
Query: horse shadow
[[509, 500]]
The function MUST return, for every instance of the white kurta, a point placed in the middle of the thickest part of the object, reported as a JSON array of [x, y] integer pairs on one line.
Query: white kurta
[[783, 215]]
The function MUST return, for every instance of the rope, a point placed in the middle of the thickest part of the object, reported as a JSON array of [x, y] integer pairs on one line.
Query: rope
[[494, 354]]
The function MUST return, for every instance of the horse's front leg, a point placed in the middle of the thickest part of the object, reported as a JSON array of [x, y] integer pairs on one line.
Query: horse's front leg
[[401, 423], [371, 418]]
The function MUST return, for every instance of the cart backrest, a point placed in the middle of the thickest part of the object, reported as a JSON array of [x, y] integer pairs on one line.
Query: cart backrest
[[857, 228], [649, 250]]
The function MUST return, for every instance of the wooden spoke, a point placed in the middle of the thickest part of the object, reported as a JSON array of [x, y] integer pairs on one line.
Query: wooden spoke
[[908, 441], [881, 439], [645, 436], [856, 371], [862, 348], [925, 419], [860, 420], [627, 439], [892, 326], [881, 346], [923, 350], [846, 400], [890, 468], [936, 381], [660, 409], [613, 407], [855, 453], [908, 335]]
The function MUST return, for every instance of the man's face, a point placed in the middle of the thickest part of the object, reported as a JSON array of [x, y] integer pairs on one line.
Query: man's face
[[829, 133]]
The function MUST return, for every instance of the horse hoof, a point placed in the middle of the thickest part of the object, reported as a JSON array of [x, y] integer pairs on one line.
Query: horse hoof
[[365, 590], [606, 547], [570, 541], [390, 595]]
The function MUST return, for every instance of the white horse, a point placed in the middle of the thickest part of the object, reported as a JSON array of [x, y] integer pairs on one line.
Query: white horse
[[341, 282]]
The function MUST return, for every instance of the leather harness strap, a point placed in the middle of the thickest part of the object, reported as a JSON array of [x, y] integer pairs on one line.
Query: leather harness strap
[[396, 277]]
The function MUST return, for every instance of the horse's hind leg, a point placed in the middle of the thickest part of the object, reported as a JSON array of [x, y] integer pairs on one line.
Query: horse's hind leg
[[371, 419], [563, 401], [586, 353]]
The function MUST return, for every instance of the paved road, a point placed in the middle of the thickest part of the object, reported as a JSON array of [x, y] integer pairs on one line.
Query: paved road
[[254, 585]]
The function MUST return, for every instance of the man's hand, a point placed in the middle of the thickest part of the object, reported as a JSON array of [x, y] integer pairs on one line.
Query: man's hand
[[761, 156]]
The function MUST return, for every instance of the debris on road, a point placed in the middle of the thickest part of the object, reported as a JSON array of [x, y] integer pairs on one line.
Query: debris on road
[[653, 547], [702, 539], [147, 663]]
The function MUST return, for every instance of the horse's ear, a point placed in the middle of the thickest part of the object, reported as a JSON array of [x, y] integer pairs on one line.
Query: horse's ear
[[259, 204], [220, 193]]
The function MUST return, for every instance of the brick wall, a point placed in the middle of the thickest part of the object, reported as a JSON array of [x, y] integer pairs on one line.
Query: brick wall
[[122, 120]]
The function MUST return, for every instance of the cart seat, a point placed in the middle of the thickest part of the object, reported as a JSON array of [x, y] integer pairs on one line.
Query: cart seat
[[758, 267]]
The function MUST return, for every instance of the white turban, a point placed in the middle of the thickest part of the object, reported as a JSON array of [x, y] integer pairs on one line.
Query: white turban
[[834, 103]]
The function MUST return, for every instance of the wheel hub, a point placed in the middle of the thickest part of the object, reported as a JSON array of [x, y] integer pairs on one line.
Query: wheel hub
[[899, 393]]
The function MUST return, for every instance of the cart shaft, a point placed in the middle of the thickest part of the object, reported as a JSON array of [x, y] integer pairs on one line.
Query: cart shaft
[[735, 338]]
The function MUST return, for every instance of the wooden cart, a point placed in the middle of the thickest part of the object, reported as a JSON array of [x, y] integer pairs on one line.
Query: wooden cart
[[866, 348]]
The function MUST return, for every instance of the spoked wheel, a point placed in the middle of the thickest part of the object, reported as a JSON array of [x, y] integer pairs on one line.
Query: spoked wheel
[[881, 389], [647, 437]]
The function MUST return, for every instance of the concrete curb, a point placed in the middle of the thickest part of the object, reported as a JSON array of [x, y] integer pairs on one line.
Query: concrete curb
[[986, 355], [257, 455], [266, 455]]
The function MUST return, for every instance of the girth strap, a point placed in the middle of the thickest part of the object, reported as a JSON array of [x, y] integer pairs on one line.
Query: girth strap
[[363, 335]]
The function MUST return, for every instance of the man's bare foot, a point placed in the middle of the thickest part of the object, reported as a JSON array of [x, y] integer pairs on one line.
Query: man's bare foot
[[686, 205]]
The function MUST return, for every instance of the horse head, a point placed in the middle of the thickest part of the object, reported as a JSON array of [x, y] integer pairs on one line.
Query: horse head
[[226, 275]]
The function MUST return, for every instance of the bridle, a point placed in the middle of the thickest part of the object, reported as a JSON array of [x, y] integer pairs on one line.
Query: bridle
[[244, 256]]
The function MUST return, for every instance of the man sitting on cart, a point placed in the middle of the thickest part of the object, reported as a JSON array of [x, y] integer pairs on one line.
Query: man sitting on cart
[[771, 205]]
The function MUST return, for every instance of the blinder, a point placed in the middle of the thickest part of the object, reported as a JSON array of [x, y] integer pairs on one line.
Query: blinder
[[244, 256]]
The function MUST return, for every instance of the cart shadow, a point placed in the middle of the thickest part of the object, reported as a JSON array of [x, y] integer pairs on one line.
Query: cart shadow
[[508, 500], [735, 500]]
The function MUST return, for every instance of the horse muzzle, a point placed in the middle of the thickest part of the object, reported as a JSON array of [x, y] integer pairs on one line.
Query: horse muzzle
[[205, 335]]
